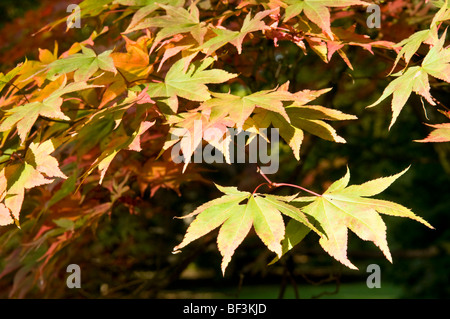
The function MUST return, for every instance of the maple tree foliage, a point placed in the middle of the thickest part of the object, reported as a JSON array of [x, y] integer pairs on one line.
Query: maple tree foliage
[[89, 128]]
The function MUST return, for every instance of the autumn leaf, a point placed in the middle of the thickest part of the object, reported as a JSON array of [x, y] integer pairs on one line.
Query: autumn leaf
[[188, 129], [263, 212], [415, 79], [119, 140], [224, 36], [84, 64], [176, 21], [6, 78], [24, 116], [189, 84], [317, 11], [302, 117], [38, 168], [5, 216], [155, 175], [146, 8], [240, 108], [440, 134], [343, 207]]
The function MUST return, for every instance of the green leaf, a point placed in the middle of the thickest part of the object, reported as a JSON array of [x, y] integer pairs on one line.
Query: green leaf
[[240, 108], [341, 208], [295, 233], [188, 81], [317, 11], [224, 36], [24, 116], [436, 63], [176, 21], [84, 64], [263, 212], [6, 78], [38, 168], [308, 118]]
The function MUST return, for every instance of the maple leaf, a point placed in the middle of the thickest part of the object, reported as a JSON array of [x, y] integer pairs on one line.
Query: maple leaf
[[317, 11], [302, 118], [24, 116], [84, 64], [177, 21], [440, 134], [240, 108], [146, 8], [188, 83], [415, 79], [263, 212], [224, 36], [118, 140], [430, 36], [134, 64], [189, 129], [38, 168], [6, 78], [165, 174], [343, 207], [5, 216]]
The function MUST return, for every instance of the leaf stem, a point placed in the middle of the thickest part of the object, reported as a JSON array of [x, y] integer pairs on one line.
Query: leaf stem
[[272, 184], [296, 186], [254, 192]]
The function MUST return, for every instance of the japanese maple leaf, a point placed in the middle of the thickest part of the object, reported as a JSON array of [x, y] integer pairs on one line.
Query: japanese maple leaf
[[165, 174], [6, 78], [263, 212], [430, 36], [146, 8], [176, 21], [415, 79], [24, 116], [119, 141], [302, 117], [344, 207], [317, 11], [84, 64], [38, 168], [440, 134], [5, 216], [240, 108], [224, 36], [189, 84]]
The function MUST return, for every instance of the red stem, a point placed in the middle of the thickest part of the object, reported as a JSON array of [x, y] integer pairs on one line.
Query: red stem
[[272, 184]]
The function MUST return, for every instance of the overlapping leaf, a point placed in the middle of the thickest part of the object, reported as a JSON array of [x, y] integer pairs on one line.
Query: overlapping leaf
[[317, 11], [24, 116], [38, 168], [343, 207], [302, 117], [189, 84], [224, 36], [176, 21], [415, 79], [235, 218], [84, 64]]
